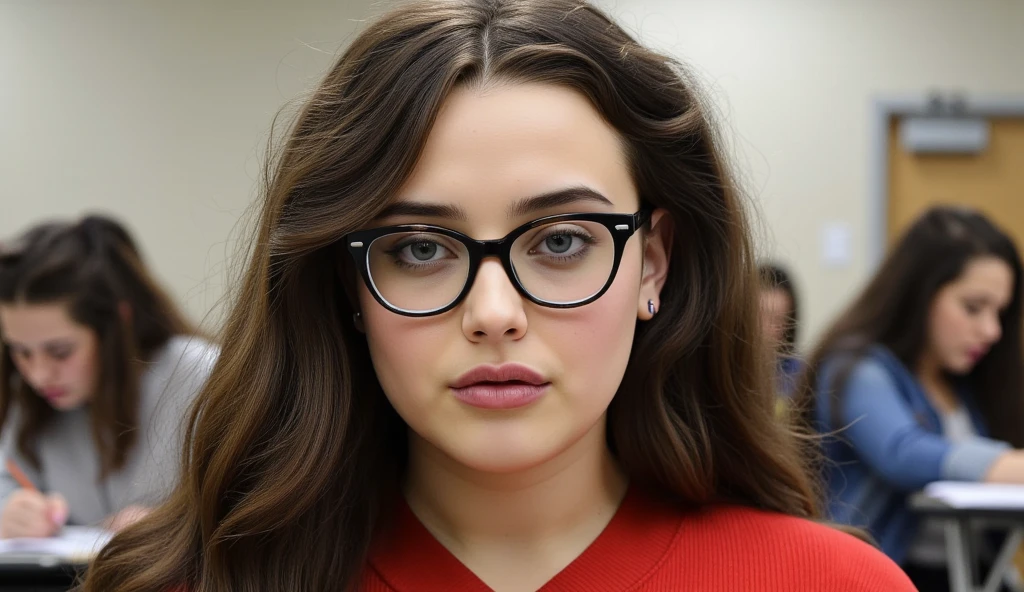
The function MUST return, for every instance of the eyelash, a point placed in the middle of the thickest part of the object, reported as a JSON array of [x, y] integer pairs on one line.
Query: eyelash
[[58, 355], [394, 251], [584, 236]]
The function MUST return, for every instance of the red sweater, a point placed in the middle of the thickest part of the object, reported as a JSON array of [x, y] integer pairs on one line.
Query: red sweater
[[652, 546]]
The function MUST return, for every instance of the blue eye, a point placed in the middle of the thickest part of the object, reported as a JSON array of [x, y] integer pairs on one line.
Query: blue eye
[[423, 251], [564, 242], [558, 243], [417, 251]]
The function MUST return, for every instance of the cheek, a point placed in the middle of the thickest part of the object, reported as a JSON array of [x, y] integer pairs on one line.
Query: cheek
[[404, 350], [592, 344], [949, 323], [82, 370]]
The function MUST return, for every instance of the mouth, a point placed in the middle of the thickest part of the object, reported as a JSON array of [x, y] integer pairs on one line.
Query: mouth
[[508, 386], [52, 394]]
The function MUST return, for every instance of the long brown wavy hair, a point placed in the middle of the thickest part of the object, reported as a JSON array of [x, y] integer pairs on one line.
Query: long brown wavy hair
[[294, 449], [94, 267], [894, 307]]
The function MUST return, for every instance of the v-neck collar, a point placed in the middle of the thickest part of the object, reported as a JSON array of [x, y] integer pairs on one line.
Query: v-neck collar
[[409, 559]]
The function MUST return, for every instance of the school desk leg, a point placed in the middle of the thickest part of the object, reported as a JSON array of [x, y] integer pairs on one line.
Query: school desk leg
[[958, 556], [1004, 561]]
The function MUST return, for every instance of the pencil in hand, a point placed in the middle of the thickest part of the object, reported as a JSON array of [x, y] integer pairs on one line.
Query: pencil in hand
[[20, 476]]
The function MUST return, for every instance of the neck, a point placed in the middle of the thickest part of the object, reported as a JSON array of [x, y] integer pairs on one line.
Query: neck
[[929, 371], [574, 494], [936, 385]]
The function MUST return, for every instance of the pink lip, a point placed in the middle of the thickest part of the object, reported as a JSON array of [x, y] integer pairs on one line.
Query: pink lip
[[52, 393], [977, 354], [500, 387]]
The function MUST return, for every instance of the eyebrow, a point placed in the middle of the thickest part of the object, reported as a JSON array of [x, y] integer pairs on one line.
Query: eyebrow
[[429, 210], [561, 197], [520, 207], [59, 343]]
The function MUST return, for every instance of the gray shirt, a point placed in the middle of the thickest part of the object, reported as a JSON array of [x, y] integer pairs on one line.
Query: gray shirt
[[67, 451], [929, 546]]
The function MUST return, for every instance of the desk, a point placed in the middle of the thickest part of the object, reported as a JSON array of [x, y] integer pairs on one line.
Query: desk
[[960, 554], [37, 574], [49, 563]]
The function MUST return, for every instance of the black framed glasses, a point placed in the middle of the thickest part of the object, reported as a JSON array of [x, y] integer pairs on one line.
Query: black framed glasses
[[560, 261]]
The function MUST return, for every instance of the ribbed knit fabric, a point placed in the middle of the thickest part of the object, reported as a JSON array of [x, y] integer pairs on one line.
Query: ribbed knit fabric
[[652, 546]]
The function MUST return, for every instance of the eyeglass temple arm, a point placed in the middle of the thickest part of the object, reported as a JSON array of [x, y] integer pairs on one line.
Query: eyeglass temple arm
[[643, 216]]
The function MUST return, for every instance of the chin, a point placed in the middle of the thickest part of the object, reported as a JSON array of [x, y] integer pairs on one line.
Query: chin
[[961, 368], [69, 405], [503, 462]]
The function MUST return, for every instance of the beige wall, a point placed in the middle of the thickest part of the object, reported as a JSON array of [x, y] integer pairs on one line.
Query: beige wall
[[156, 111], [795, 79], [159, 111]]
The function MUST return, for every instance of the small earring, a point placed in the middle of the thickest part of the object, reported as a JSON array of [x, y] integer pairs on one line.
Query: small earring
[[357, 317], [650, 307]]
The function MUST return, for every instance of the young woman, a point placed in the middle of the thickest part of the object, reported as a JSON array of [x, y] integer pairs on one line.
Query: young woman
[[923, 376], [97, 368], [498, 331], [779, 319]]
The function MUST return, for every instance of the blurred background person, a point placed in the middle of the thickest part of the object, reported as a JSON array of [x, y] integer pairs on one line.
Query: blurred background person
[[97, 367], [779, 319], [924, 377]]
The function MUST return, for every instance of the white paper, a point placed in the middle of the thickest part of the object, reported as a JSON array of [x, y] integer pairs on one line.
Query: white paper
[[982, 496], [74, 542]]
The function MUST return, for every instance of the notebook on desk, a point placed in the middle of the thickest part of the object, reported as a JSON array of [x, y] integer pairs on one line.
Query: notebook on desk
[[75, 544], [981, 496]]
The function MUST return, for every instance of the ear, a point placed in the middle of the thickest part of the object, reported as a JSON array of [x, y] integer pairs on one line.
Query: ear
[[657, 255], [348, 276]]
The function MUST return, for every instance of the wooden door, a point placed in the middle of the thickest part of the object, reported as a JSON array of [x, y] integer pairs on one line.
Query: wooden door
[[991, 181]]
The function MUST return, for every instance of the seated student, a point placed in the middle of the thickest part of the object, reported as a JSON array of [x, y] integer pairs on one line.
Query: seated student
[[499, 332], [779, 319], [97, 367], [923, 376]]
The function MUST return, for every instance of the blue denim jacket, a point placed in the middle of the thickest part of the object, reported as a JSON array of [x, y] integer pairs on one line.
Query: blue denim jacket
[[890, 445], [787, 371]]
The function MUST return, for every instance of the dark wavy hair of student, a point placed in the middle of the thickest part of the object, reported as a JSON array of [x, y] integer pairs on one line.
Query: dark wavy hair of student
[[894, 308], [295, 452], [94, 268]]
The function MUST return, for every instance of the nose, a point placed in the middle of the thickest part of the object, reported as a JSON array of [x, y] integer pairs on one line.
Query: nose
[[493, 310], [991, 328]]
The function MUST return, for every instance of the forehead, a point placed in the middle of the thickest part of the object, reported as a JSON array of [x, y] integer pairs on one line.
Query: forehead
[[32, 324], [989, 275], [495, 144], [775, 298]]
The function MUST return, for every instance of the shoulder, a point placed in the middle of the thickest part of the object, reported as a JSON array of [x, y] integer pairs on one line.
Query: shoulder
[[186, 351], [875, 368], [785, 552], [791, 364], [185, 362]]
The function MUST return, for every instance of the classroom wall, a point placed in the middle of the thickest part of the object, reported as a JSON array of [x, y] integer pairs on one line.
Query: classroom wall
[[159, 111], [795, 80]]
